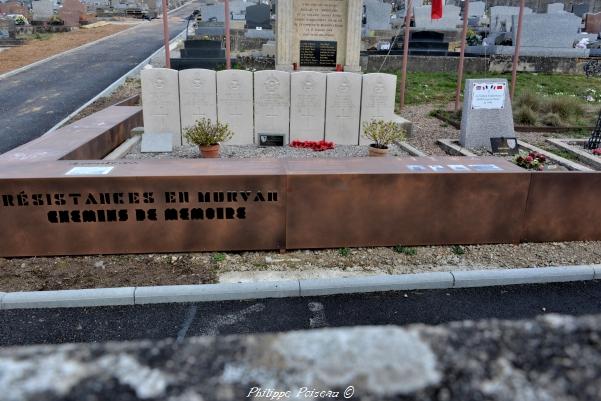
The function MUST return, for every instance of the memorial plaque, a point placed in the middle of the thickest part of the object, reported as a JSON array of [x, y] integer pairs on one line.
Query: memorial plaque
[[504, 146], [315, 53], [271, 140]]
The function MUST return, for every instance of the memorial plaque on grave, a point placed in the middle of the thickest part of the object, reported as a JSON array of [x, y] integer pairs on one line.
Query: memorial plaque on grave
[[271, 140], [504, 145], [315, 53]]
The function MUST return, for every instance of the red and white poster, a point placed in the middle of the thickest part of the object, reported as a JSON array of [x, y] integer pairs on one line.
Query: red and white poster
[[490, 95]]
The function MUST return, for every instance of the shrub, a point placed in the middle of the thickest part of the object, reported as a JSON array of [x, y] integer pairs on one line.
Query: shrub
[[207, 133], [383, 133], [405, 250], [218, 257], [528, 99], [344, 251], [457, 250], [525, 115], [565, 106], [552, 120]]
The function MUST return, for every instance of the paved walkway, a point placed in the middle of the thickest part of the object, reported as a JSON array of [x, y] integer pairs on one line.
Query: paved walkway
[[33, 101], [118, 323]]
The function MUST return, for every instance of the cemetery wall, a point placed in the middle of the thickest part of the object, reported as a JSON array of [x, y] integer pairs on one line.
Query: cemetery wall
[[496, 63]]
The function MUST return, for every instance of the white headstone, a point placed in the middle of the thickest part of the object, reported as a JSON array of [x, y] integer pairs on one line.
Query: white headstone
[[377, 100], [307, 105], [235, 104], [198, 96], [486, 112], [343, 107], [160, 101], [272, 103], [477, 9], [42, 10], [501, 17]]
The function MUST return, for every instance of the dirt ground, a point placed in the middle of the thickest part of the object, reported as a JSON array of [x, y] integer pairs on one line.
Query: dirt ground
[[38, 49], [56, 273]]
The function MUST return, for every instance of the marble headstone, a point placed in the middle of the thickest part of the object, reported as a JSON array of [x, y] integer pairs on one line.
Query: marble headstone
[[160, 100], [235, 104], [216, 12], [377, 100], [198, 96], [548, 30], [343, 107], [449, 21], [42, 10], [307, 105], [553, 8], [477, 9], [377, 15], [501, 17], [272, 103], [486, 112]]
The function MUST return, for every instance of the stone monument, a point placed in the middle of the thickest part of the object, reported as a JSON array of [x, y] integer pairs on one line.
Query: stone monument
[[343, 107], [198, 96], [318, 34], [307, 105], [272, 103], [486, 112], [42, 10], [160, 97], [235, 104]]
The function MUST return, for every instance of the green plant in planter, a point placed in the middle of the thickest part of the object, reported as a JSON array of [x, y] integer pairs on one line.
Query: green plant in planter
[[383, 133], [208, 133]]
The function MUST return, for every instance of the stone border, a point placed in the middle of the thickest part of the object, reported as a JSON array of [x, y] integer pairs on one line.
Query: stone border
[[295, 288], [452, 147], [583, 156]]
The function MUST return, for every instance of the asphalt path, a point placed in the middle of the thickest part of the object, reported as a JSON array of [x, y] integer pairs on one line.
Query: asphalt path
[[158, 321], [35, 100]]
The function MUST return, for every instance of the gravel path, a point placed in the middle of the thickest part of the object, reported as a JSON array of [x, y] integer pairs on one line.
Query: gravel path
[[256, 152], [427, 130]]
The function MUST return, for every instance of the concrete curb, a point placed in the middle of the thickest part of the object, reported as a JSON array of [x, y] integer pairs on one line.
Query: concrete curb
[[121, 150], [296, 288]]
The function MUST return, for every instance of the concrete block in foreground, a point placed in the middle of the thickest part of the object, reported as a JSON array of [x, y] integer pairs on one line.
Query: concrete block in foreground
[[69, 298], [402, 282], [535, 275], [216, 292]]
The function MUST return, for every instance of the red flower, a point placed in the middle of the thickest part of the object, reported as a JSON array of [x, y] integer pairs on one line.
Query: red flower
[[317, 146]]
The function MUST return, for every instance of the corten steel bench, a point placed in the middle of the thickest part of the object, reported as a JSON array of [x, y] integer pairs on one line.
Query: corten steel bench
[[58, 198]]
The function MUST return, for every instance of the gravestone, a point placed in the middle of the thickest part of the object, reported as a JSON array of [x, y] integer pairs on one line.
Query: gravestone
[[235, 104], [377, 15], [449, 21], [42, 10], [501, 17], [268, 49], [307, 105], [318, 35], [156, 143], [343, 107], [377, 100], [198, 96], [486, 113], [5, 28], [71, 12], [258, 16], [477, 9], [580, 9], [213, 12], [548, 30], [592, 23], [272, 103], [160, 100], [554, 8]]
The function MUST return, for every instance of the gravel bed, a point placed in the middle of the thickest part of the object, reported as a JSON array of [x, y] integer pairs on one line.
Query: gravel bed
[[256, 152], [427, 130]]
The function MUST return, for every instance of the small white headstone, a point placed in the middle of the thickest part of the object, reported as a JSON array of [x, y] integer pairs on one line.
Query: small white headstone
[[155, 143], [486, 113], [377, 100], [307, 105], [42, 10], [272, 103], [160, 101], [343, 108], [235, 104], [198, 96]]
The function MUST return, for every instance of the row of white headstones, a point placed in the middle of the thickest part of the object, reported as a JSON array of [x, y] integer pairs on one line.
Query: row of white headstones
[[305, 105]]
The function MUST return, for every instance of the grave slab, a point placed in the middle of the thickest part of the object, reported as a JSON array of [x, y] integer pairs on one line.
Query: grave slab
[[160, 96], [307, 105], [235, 104], [272, 103], [343, 107]]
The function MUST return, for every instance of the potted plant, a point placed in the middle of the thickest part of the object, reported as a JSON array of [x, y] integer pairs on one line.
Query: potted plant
[[382, 133], [207, 135]]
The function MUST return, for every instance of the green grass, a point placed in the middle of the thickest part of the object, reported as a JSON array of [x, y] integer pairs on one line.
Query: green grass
[[457, 250], [406, 250], [218, 257], [439, 87], [344, 251]]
